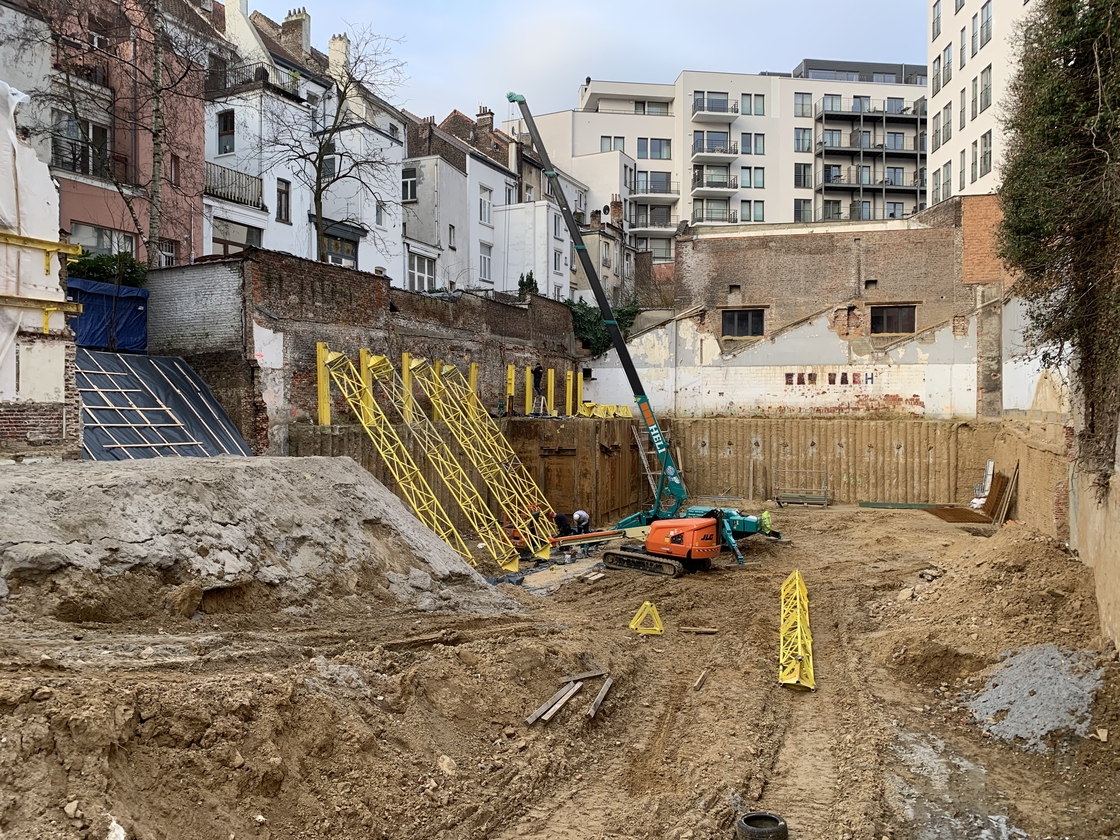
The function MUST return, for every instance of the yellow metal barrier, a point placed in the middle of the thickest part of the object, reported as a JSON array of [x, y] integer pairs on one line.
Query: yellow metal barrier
[[795, 666]]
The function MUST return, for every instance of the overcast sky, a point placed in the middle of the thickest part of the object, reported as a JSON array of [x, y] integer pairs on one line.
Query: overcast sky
[[462, 54]]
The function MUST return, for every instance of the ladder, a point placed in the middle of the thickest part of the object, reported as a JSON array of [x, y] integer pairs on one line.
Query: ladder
[[650, 463], [439, 455], [410, 481], [518, 495]]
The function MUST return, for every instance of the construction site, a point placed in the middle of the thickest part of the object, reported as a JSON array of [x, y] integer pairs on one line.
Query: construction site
[[314, 566]]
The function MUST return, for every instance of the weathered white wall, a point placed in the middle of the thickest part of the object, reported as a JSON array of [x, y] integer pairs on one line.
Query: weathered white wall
[[686, 374], [1028, 387]]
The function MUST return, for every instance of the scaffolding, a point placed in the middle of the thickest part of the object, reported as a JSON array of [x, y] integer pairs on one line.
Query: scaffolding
[[439, 455], [410, 481], [795, 666], [518, 495]]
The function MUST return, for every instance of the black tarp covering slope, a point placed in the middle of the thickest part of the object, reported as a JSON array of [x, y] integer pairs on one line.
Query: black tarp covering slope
[[150, 407]]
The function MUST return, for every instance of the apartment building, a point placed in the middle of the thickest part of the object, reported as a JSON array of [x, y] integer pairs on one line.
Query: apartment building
[[971, 60], [831, 140]]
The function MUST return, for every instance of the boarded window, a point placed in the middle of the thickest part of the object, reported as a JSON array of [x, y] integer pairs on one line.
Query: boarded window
[[743, 322], [892, 319]]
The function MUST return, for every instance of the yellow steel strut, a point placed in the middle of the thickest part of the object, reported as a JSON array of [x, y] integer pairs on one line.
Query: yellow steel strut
[[795, 666]]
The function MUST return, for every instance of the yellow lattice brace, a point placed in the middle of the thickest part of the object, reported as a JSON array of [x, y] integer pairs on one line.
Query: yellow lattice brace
[[487, 449], [410, 481], [443, 461], [795, 665]]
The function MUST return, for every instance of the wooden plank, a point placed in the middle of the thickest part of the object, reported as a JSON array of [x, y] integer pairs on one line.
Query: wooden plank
[[594, 707], [700, 680], [548, 704], [897, 505], [569, 693], [707, 631], [586, 675]]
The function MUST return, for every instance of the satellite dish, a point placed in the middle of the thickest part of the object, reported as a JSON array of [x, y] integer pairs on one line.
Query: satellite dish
[[588, 81], [607, 209]]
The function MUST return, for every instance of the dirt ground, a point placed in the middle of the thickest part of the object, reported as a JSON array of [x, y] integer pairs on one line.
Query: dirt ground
[[338, 718]]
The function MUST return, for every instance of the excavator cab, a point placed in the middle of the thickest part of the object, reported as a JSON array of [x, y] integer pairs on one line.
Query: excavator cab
[[684, 539]]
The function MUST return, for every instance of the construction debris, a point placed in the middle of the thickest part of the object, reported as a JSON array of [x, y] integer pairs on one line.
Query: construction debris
[[700, 680], [586, 675], [598, 701], [569, 693], [703, 631]]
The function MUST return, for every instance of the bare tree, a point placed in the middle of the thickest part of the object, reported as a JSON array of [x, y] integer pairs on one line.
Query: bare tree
[[335, 149]]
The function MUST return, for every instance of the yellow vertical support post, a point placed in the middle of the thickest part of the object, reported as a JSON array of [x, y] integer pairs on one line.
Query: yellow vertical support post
[[367, 385], [406, 381], [795, 646], [551, 390], [579, 391], [568, 394], [437, 393], [473, 380], [511, 384], [321, 352], [528, 391]]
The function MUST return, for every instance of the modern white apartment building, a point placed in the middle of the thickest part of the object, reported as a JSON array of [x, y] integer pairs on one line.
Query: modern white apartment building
[[971, 61], [831, 140]]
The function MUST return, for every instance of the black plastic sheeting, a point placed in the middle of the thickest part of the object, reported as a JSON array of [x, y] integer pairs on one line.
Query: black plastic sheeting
[[150, 407], [128, 317]]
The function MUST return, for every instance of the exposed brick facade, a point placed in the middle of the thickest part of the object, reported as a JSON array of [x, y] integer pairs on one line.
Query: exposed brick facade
[[44, 428], [266, 386], [980, 220]]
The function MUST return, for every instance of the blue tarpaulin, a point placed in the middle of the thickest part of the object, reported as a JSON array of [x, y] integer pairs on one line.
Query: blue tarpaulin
[[92, 327]]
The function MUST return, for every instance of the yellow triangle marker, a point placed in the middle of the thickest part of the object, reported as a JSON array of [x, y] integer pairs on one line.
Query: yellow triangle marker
[[647, 610]]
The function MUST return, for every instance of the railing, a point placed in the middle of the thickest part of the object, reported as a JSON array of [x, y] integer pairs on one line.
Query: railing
[[859, 214], [715, 182], [666, 188], [714, 215], [715, 147], [860, 177], [223, 182], [93, 71], [866, 105], [643, 221], [714, 106], [221, 79], [633, 112], [871, 144], [985, 32]]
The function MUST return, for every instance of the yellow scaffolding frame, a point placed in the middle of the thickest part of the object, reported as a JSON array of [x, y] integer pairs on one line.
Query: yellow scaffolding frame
[[795, 665], [410, 481], [439, 455], [486, 447]]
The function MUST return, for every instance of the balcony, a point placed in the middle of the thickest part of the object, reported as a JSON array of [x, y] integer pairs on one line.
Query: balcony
[[714, 110], [657, 192], [856, 142], [221, 80], [861, 106], [714, 151], [231, 185], [860, 214], [642, 224], [714, 185], [859, 178], [714, 215]]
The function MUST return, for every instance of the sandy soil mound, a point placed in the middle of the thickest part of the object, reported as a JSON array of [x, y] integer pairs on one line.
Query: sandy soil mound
[[117, 541]]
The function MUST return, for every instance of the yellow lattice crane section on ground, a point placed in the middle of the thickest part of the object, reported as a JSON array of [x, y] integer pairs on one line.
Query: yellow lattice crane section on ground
[[519, 497], [795, 666], [439, 455], [410, 481]]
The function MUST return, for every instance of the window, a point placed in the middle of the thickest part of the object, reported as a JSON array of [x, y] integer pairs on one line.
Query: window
[[947, 181], [98, 34], [99, 240], [895, 105], [961, 185], [659, 109], [936, 75], [557, 262], [173, 170], [985, 88], [892, 319], [607, 144], [485, 203], [80, 146], [167, 252], [883, 78], [974, 175], [963, 98], [936, 131], [759, 105], [895, 176], [895, 210], [830, 174], [743, 322], [529, 193], [803, 104], [451, 237], [803, 176], [935, 187], [421, 273], [896, 140], [557, 293], [947, 64], [759, 211], [759, 178], [379, 214], [985, 153], [964, 43], [284, 200], [863, 174], [484, 253], [946, 123], [557, 227], [226, 133], [803, 139], [832, 102], [830, 209], [975, 97], [936, 19], [230, 238], [959, 5], [654, 148], [760, 144], [985, 23], [330, 164], [802, 210], [975, 34], [408, 184]]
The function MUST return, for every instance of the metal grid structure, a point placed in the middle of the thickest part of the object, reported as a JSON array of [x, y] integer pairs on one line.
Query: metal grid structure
[[795, 658], [518, 495], [392, 450], [801, 487], [439, 455], [125, 417]]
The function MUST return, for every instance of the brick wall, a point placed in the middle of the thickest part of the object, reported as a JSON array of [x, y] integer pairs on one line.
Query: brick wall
[[195, 308], [44, 428], [981, 216]]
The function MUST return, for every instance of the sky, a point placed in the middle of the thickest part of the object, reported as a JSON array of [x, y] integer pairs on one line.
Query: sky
[[462, 54]]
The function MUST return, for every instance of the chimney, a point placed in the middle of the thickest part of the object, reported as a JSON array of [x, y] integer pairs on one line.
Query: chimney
[[485, 118], [338, 54], [616, 211], [596, 219], [295, 32]]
